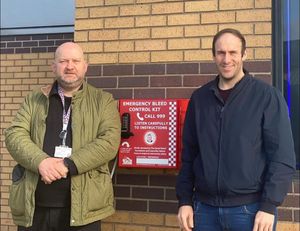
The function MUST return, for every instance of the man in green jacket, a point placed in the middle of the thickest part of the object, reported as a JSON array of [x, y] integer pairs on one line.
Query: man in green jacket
[[62, 138]]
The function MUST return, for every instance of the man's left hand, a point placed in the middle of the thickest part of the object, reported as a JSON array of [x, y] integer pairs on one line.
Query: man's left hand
[[263, 221]]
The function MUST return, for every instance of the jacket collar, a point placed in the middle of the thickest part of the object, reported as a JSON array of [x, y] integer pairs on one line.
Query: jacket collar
[[237, 87], [46, 89], [243, 80]]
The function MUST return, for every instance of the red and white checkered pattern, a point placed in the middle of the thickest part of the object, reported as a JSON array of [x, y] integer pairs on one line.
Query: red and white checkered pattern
[[172, 133]]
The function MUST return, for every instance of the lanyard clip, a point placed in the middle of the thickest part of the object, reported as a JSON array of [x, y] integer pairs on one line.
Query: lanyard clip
[[63, 136]]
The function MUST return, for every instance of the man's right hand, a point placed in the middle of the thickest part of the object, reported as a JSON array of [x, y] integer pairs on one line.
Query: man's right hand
[[52, 169], [186, 217]]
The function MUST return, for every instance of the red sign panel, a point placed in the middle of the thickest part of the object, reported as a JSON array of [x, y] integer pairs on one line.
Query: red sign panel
[[149, 133], [183, 104]]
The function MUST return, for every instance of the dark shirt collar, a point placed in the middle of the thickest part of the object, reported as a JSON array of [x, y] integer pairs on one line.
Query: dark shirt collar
[[215, 86], [54, 89]]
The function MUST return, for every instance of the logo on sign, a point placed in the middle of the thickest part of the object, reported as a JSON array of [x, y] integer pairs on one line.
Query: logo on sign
[[127, 161], [125, 144], [150, 138]]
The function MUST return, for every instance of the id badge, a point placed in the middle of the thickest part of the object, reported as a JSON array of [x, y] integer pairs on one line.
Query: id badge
[[62, 151]]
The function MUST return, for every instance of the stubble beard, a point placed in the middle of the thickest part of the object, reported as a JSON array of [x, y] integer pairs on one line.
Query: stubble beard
[[70, 85]]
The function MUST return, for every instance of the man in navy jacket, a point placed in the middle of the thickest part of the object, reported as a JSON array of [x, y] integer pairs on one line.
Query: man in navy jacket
[[238, 155]]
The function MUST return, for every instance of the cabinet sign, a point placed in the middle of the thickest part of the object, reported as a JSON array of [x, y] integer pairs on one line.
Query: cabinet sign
[[149, 133]]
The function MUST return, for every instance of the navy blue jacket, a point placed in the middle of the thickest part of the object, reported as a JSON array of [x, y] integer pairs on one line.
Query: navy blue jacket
[[239, 152]]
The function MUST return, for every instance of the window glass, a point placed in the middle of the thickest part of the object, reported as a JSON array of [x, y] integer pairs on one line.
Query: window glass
[[37, 16]]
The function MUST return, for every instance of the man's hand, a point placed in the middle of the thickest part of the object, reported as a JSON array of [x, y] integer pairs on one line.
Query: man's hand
[[52, 169], [186, 217], [263, 221]]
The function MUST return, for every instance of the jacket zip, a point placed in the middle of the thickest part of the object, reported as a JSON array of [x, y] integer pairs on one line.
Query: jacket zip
[[219, 152]]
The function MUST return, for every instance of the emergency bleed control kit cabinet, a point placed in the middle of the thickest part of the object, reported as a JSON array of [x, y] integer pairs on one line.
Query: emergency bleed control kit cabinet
[[151, 132]]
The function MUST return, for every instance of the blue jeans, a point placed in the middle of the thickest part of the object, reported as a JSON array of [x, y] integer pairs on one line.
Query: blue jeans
[[210, 218]]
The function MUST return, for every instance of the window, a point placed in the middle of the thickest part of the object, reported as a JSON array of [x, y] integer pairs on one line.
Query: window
[[37, 16], [286, 60]]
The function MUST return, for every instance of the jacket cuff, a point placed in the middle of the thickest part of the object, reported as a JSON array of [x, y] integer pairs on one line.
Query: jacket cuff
[[185, 202], [71, 166], [267, 207]]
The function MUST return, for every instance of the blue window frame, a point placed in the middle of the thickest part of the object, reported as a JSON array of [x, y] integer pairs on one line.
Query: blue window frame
[[286, 60]]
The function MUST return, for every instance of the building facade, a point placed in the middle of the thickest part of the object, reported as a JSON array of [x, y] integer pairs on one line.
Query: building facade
[[140, 49]]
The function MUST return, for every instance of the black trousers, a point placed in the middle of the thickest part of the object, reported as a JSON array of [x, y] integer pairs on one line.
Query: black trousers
[[56, 219]]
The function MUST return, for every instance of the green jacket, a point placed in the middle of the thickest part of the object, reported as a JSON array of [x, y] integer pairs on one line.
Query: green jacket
[[95, 138]]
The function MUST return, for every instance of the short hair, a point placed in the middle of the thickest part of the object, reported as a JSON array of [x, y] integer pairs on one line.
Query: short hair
[[234, 32]]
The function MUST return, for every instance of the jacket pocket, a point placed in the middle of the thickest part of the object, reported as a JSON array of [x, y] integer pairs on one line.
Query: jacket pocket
[[17, 191], [18, 173], [98, 190]]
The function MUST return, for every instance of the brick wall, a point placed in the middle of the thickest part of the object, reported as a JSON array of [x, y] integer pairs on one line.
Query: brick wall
[[168, 31], [23, 68], [163, 80], [140, 49], [33, 43]]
